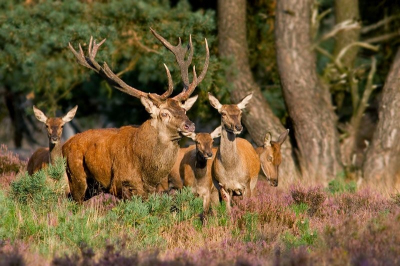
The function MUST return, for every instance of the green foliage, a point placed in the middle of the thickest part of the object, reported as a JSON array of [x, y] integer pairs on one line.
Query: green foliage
[[34, 40], [340, 185], [39, 188], [56, 170], [251, 223], [300, 208], [306, 237]]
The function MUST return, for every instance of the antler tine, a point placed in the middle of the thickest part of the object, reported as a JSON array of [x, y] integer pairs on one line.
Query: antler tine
[[184, 95], [179, 51], [90, 62], [166, 94], [206, 62]]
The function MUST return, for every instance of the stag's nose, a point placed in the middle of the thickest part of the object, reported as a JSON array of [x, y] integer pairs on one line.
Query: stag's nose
[[238, 127], [209, 154], [54, 139], [188, 126]]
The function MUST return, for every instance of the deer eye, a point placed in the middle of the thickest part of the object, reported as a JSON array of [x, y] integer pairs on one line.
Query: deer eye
[[164, 114], [223, 114], [269, 158]]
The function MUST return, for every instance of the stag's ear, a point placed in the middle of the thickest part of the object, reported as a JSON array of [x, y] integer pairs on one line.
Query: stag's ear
[[151, 108], [283, 137], [214, 102], [189, 103], [216, 133], [68, 117], [267, 140], [39, 115], [245, 101]]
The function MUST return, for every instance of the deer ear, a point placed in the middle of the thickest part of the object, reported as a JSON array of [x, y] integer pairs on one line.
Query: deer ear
[[245, 101], [214, 102], [283, 137], [192, 136], [189, 103], [151, 108], [68, 117], [267, 140], [216, 133], [39, 115]]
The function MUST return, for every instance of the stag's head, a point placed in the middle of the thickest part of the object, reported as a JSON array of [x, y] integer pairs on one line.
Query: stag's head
[[169, 112], [270, 157], [54, 125], [231, 114], [204, 143]]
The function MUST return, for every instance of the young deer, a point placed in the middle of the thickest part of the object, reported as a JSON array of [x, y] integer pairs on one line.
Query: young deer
[[270, 157], [133, 160], [54, 125], [236, 165], [195, 167]]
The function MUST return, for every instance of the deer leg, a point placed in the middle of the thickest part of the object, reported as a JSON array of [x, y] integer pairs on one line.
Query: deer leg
[[77, 181], [206, 202]]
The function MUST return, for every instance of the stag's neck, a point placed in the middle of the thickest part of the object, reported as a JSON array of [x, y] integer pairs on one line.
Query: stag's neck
[[228, 149], [55, 151]]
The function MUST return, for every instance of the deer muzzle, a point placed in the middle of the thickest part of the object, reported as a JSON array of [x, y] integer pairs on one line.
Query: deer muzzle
[[187, 127]]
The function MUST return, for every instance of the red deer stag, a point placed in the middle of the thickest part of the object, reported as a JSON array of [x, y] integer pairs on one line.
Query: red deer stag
[[270, 157], [133, 160], [195, 167], [236, 165], [54, 125]]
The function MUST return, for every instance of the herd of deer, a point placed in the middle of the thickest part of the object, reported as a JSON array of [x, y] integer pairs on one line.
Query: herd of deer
[[139, 160]]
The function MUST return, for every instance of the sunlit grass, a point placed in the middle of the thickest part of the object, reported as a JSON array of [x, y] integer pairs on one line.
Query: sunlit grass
[[299, 223]]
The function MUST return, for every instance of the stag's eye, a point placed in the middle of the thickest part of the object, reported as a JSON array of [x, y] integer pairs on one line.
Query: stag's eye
[[164, 114], [223, 114], [269, 158]]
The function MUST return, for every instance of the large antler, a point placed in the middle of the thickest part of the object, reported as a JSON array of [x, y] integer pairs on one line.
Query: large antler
[[90, 62], [179, 51]]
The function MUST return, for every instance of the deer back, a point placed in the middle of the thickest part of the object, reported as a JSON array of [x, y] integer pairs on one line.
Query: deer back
[[39, 159]]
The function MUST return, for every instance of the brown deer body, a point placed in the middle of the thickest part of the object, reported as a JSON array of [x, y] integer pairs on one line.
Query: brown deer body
[[54, 125], [270, 157], [133, 160], [236, 165], [195, 167]]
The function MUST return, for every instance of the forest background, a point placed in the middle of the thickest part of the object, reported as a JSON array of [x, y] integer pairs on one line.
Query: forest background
[[327, 70]]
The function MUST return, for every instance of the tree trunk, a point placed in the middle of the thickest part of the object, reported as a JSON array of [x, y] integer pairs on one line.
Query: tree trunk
[[348, 10], [308, 102], [259, 118], [381, 167]]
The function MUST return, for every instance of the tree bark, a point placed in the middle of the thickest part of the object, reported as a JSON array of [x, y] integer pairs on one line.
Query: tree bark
[[308, 102], [381, 167], [347, 10], [259, 118]]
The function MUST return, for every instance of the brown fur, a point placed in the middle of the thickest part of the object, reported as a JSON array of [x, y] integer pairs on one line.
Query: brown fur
[[129, 160], [236, 166], [271, 158], [195, 168], [43, 156]]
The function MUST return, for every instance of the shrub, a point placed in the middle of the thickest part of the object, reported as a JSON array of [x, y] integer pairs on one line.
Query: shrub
[[340, 185], [309, 199], [36, 188], [9, 162]]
